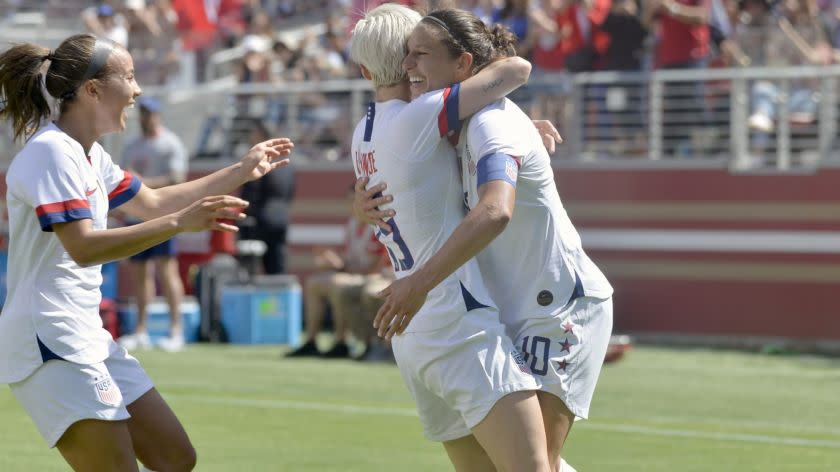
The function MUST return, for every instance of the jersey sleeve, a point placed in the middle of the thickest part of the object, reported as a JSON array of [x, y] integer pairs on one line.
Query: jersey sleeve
[[120, 185], [421, 125], [499, 147], [55, 188]]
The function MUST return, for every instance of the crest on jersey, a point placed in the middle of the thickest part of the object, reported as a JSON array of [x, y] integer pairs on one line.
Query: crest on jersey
[[107, 392], [520, 362]]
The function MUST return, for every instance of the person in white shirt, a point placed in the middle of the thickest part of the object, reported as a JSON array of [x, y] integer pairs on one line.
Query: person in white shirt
[[86, 395], [159, 158], [554, 301], [472, 391]]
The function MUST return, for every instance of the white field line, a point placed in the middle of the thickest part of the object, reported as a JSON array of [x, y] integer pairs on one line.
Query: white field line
[[406, 412]]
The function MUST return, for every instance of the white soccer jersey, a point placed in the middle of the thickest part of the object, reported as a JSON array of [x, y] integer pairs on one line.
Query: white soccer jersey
[[402, 144], [52, 309], [537, 265]]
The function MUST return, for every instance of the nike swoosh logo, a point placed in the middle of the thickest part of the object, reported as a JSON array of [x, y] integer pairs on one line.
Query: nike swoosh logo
[[90, 192]]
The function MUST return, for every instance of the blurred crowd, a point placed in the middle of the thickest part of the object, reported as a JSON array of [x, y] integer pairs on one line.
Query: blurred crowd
[[289, 40], [183, 42]]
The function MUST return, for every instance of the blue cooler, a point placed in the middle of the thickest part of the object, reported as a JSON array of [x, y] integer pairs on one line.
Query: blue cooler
[[158, 322], [266, 311], [4, 260], [109, 280]]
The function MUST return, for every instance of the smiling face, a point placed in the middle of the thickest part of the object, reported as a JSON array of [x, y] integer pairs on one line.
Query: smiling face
[[116, 93], [429, 64]]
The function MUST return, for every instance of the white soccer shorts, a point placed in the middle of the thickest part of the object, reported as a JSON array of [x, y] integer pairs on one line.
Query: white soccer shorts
[[60, 393], [566, 352], [457, 373]]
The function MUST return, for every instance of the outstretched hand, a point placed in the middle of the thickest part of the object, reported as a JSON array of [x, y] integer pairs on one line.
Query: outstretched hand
[[265, 157], [214, 212], [366, 207], [548, 133], [403, 299]]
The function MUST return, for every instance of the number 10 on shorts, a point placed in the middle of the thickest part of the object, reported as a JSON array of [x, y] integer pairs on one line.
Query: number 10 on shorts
[[536, 349]]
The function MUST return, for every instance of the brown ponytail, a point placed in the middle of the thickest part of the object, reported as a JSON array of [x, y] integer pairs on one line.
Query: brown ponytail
[[504, 42], [21, 99], [20, 88]]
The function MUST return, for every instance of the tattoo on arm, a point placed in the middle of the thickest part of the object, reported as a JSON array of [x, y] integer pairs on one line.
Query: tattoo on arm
[[487, 88]]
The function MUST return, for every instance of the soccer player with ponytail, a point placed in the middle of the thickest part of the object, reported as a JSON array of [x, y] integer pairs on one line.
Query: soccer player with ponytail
[[87, 396]]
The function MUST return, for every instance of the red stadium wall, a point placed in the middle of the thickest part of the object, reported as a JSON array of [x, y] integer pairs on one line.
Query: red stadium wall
[[728, 254], [689, 252]]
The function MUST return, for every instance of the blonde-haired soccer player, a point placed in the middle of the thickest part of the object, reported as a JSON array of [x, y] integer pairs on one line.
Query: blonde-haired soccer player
[[459, 365]]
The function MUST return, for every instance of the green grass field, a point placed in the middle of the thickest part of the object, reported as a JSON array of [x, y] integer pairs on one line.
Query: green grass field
[[658, 410]]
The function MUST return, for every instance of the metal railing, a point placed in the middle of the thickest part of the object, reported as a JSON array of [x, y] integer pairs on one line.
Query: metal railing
[[708, 114], [674, 118]]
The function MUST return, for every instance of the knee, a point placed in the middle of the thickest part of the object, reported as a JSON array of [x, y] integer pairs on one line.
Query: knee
[[176, 459], [187, 459]]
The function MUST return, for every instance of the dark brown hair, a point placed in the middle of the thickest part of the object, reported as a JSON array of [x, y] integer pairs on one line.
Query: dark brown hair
[[20, 79], [465, 32]]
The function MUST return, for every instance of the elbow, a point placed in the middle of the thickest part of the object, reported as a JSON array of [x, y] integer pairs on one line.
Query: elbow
[[522, 71], [81, 257], [498, 218]]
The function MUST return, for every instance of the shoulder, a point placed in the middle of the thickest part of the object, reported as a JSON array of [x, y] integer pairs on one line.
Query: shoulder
[[433, 98], [46, 155], [97, 151], [489, 113], [500, 117], [49, 147]]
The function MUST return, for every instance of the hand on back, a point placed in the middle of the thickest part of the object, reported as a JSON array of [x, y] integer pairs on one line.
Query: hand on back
[[366, 204]]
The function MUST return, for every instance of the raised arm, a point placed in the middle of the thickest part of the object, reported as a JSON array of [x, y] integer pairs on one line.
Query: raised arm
[[261, 159], [88, 246], [492, 83]]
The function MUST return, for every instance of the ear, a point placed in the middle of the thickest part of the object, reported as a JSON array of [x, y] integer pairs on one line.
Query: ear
[[465, 63], [366, 73], [91, 88]]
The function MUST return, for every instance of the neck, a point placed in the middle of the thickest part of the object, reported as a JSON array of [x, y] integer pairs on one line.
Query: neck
[[393, 92], [79, 127]]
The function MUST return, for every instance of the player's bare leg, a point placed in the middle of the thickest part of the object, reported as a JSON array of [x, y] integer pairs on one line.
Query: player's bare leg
[[558, 422], [98, 446], [159, 440], [513, 434], [467, 455]]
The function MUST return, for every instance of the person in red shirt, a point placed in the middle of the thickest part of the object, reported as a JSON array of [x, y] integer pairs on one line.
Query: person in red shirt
[[682, 32], [201, 24], [683, 40]]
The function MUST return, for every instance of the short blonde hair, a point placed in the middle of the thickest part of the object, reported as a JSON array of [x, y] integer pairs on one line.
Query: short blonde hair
[[380, 42]]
